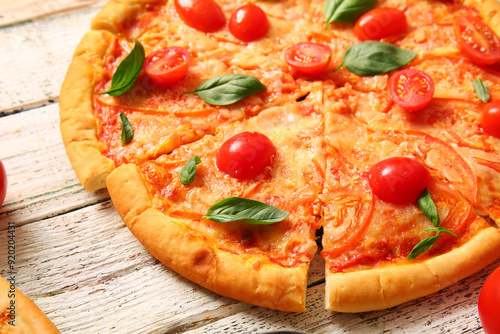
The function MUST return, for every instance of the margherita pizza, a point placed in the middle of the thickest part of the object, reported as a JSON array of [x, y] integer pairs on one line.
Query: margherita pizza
[[231, 134]]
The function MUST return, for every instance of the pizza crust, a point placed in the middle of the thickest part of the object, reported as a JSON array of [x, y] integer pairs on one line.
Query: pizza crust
[[388, 286], [249, 278], [29, 318]]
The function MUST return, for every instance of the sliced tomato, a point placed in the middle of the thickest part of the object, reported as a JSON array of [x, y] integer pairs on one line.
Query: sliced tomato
[[380, 23], [309, 58], [167, 66], [477, 40], [246, 155], [202, 15], [411, 89], [248, 23], [490, 121]]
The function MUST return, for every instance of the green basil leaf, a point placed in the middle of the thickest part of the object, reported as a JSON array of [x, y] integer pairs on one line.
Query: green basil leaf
[[426, 204], [188, 172], [346, 10], [243, 209], [127, 131], [372, 58], [482, 91], [127, 72], [228, 88], [439, 229], [422, 247]]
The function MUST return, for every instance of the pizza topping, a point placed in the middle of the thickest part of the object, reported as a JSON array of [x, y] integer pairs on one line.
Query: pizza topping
[[246, 155], [127, 131], [411, 89], [228, 89], [490, 121], [398, 180], [127, 72], [188, 172], [346, 10], [248, 23], [202, 15], [380, 23], [482, 91], [247, 210], [489, 299], [477, 40], [309, 58], [372, 58], [168, 65]]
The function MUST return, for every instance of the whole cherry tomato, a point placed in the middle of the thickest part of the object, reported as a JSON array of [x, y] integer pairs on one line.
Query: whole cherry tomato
[[398, 180], [248, 23], [3, 183], [490, 121], [246, 155], [167, 66], [309, 58], [489, 302], [203, 15], [477, 40], [380, 23], [411, 89]]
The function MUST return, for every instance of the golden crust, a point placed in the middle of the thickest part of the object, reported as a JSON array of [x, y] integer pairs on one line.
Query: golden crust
[[249, 278], [29, 319], [388, 286]]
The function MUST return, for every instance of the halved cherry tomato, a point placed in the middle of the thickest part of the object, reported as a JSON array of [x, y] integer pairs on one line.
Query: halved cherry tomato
[[203, 15], [309, 58], [246, 155], [167, 66], [380, 23], [477, 40], [488, 302], [491, 119], [411, 89], [248, 23], [3, 183], [398, 180]]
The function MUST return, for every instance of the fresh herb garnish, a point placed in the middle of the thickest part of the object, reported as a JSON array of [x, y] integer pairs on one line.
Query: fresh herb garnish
[[372, 58], [188, 172], [243, 209], [426, 204], [228, 88], [127, 72], [482, 91], [346, 10], [127, 131]]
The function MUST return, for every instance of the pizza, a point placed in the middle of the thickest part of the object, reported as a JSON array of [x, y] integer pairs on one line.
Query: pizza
[[18, 314], [238, 139]]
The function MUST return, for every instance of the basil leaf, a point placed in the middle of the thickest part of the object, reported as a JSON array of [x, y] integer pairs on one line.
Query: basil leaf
[[426, 204], [228, 88], [346, 10], [188, 172], [422, 247], [127, 72], [439, 229], [243, 209], [372, 58], [482, 91], [127, 131]]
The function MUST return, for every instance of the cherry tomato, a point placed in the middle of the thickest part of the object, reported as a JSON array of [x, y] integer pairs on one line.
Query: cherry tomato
[[246, 155], [167, 66], [309, 58], [488, 302], [477, 40], [380, 23], [398, 180], [491, 119], [3, 183], [248, 23], [411, 89], [203, 15]]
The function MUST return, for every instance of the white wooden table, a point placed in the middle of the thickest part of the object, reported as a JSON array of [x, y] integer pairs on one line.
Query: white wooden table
[[76, 259]]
